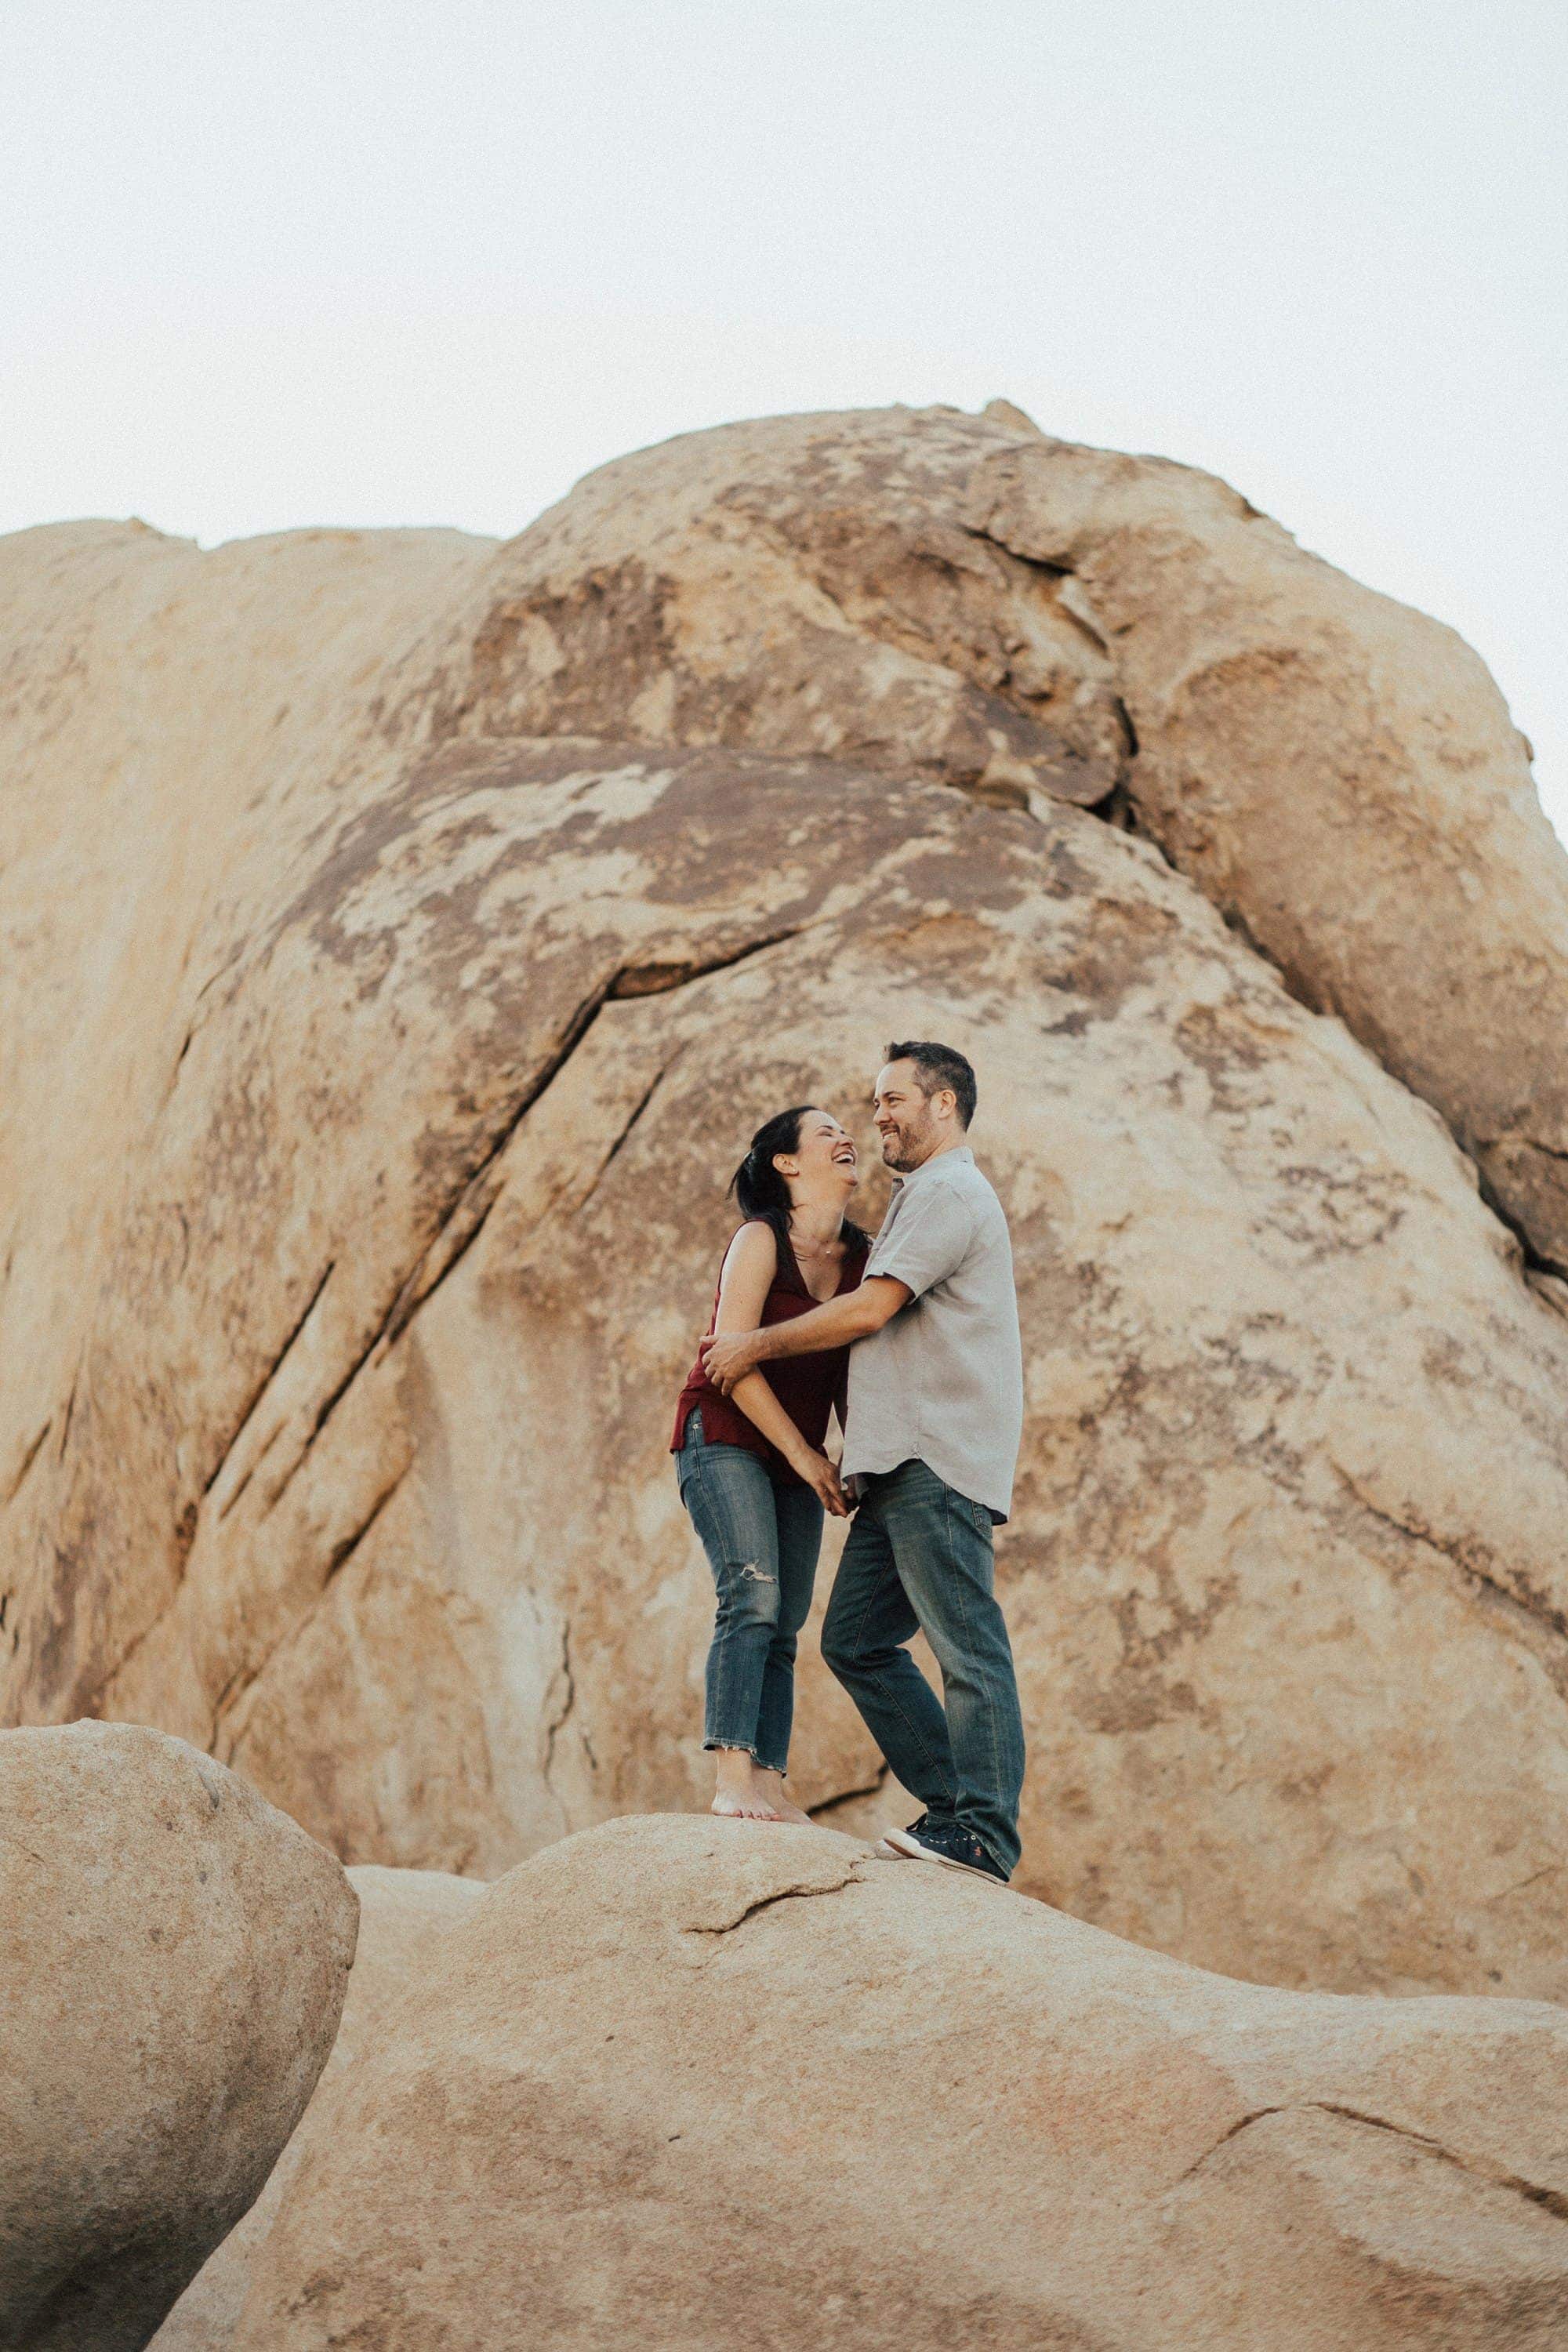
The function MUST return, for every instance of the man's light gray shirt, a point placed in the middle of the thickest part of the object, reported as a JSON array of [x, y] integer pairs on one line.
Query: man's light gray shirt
[[942, 1382]]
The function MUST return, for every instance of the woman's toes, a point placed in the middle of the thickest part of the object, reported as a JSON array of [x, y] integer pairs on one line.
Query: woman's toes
[[743, 1809], [769, 1789]]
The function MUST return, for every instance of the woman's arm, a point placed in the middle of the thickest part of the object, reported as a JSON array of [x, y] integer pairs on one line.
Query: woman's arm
[[750, 1264]]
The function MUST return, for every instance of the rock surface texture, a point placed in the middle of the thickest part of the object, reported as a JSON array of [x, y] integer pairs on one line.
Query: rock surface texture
[[685, 2083], [429, 923], [175, 1956], [404, 1917], [966, 600]]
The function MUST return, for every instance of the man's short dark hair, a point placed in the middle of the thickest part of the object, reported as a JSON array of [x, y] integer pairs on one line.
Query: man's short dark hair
[[939, 1066]]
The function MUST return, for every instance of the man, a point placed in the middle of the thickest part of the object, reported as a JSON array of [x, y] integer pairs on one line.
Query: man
[[935, 1413]]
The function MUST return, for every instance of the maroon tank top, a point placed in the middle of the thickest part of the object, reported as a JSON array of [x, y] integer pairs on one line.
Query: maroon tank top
[[808, 1387]]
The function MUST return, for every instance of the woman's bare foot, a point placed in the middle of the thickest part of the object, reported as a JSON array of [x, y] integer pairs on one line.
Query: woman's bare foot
[[770, 1786], [737, 1796]]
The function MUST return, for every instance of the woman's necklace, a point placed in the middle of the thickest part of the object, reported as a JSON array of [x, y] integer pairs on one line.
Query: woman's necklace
[[814, 1249]]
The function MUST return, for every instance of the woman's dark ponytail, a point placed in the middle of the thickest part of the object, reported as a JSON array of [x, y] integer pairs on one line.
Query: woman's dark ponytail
[[760, 1193]]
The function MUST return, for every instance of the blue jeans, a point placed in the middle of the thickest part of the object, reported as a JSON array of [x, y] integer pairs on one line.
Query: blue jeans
[[919, 1556], [761, 1542]]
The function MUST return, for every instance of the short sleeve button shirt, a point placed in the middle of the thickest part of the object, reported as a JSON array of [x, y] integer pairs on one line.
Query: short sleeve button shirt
[[942, 1381]]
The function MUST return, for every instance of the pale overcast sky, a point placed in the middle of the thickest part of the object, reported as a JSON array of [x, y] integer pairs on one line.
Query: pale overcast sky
[[409, 261]]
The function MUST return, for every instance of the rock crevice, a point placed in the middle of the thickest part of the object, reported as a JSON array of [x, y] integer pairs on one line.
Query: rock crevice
[[1549, 2200]]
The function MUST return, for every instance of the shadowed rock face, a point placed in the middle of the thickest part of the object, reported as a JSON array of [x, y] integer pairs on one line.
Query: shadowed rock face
[[175, 1956], [690, 2082], [370, 1093]]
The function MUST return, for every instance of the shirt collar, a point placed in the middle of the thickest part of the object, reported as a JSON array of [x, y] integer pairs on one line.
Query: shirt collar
[[961, 1155]]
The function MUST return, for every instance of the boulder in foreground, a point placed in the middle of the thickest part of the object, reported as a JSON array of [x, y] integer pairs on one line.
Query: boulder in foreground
[[678, 2082], [404, 1915], [174, 1954]]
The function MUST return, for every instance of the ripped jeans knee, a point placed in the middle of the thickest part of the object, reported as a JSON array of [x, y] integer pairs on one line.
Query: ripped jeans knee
[[748, 1589]]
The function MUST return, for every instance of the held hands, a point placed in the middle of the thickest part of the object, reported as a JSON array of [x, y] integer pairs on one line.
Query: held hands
[[729, 1356], [822, 1476]]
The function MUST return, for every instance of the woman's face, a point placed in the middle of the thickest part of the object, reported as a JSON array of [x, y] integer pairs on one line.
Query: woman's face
[[825, 1155]]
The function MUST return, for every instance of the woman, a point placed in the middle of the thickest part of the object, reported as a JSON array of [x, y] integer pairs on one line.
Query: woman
[[753, 1473]]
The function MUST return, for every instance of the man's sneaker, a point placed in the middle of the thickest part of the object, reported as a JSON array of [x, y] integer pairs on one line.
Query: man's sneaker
[[890, 1853], [928, 1841]]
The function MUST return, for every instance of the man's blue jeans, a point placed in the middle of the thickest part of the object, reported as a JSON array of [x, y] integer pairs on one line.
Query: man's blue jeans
[[919, 1556], [761, 1542]]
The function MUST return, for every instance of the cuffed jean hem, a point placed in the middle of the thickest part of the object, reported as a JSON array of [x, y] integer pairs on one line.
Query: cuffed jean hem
[[745, 1748]]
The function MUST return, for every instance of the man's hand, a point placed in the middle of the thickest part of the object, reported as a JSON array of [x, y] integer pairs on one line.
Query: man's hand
[[729, 1356]]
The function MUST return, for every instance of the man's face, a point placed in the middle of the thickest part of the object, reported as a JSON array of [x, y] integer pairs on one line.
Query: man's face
[[905, 1121]]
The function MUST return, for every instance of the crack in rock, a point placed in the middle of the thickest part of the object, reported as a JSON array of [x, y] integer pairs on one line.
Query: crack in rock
[[1550, 2200], [28, 1458], [185, 1531], [1528, 1143], [1547, 1870], [851, 1877], [871, 1788], [274, 1368], [1517, 1594], [637, 1109], [243, 1681], [557, 1722]]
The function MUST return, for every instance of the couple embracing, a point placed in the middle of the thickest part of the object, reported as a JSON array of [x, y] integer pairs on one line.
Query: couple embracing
[[913, 1339]]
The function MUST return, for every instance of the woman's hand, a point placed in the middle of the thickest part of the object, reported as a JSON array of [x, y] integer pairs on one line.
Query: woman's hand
[[822, 1476]]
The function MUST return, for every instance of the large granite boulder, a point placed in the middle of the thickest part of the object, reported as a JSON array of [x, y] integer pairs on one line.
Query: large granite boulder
[[387, 1064], [174, 1955], [962, 597], [689, 2083], [404, 1919]]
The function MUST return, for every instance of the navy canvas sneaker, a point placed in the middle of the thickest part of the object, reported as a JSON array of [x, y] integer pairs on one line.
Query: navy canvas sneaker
[[928, 1841], [894, 1854]]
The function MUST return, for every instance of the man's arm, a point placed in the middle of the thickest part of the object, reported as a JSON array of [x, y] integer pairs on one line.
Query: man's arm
[[729, 1356]]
